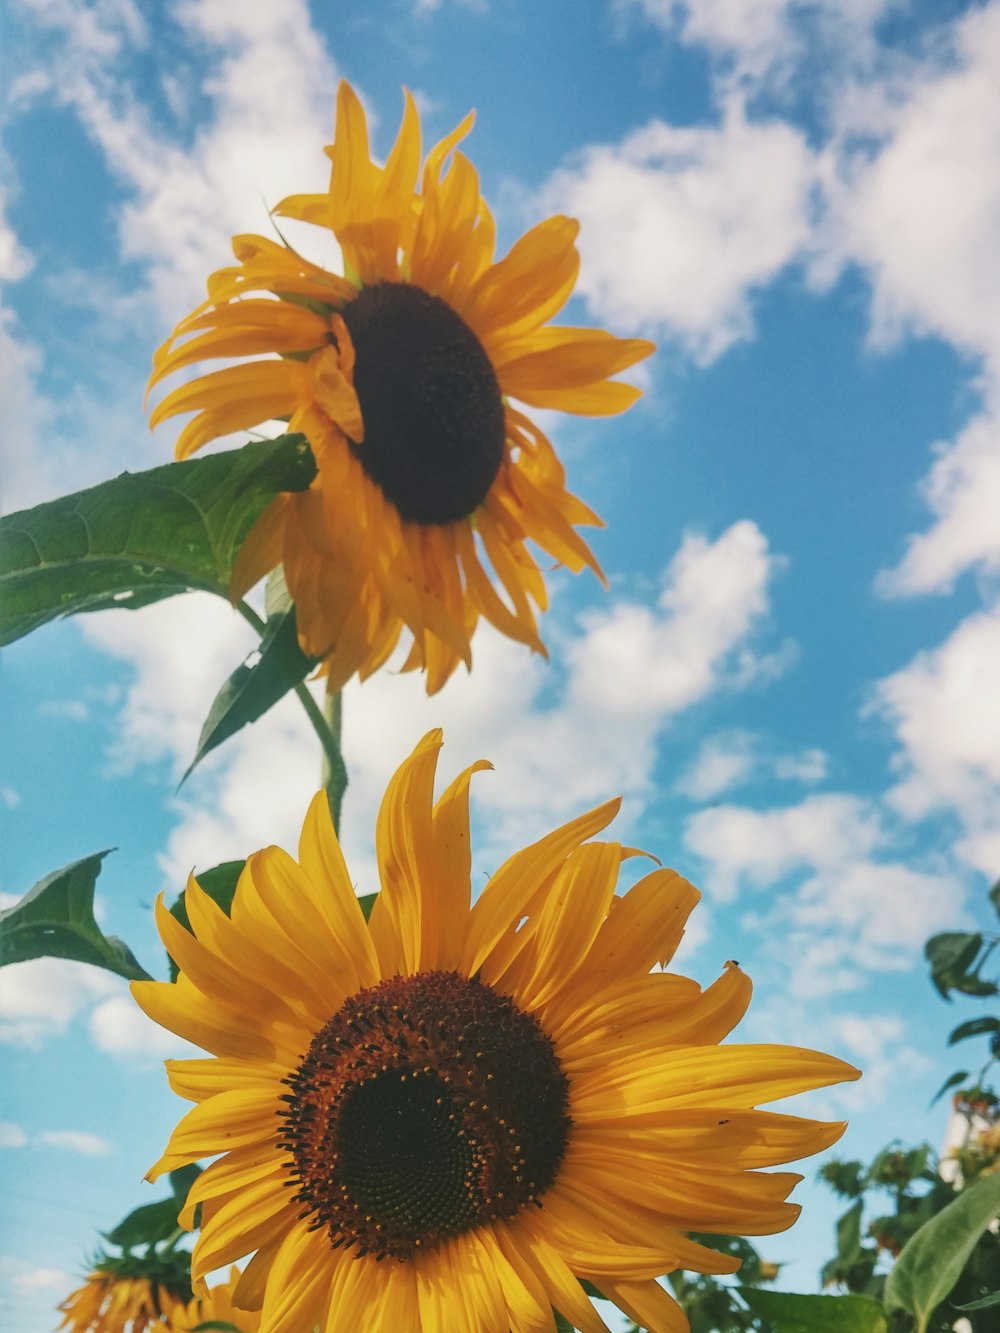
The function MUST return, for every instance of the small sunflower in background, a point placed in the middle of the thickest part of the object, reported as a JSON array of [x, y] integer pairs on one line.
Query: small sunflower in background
[[215, 1308], [118, 1298], [447, 1115], [403, 374]]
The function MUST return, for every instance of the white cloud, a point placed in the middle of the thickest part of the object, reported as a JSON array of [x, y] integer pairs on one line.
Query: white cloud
[[174, 686], [919, 213], [852, 912], [24, 1277], [271, 92], [75, 1140], [74, 710], [732, 758], [722, 762], [9, 798], [745, 848], [12, 1135], [119, 1028], [944, 708], [681, 225], [877, 1042], [809, 765], [630, 667], [962, 491], [15, 262], [761, 44], [40, 998]]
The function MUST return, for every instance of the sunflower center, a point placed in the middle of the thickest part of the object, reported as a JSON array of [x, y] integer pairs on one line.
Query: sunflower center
[[427, 1105], [432, 408]]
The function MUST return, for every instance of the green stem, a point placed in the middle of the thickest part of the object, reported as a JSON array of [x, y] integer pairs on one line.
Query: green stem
[[334, 768], [325, 723]]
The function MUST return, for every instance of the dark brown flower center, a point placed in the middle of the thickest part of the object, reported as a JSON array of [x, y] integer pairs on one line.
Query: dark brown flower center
[[433, 412], [427, 1105]]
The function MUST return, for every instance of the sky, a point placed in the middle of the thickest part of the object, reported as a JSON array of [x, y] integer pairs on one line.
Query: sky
[[791, 678]]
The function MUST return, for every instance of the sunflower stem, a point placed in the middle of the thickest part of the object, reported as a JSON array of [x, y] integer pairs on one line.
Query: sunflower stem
[[325, 722], [334, 768]]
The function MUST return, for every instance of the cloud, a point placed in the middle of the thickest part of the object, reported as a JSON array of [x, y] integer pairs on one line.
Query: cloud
[[744, 848], [681, 225], [849, 910], [12, 1135], [270, 109], [962, 491], [15, 262], [561, 736], [75, 1140], [944, 709], [9, 798], [732, 758], [120, 1029], [40, 998], [917, 191], [24, 1277], [762, 45], [877, 1043]]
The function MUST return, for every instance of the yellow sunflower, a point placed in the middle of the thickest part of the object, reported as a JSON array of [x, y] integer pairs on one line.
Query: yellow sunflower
[[442, 1118], [403, 375], [216, 1307], [110, 1302]]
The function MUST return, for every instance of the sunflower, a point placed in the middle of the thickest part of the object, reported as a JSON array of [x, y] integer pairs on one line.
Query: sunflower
[[216, 1307], [403, 375], [110, 1301], [445, 1116]]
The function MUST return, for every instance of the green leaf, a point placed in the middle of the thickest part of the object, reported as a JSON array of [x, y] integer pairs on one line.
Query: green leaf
[[182, 1179], [147, 1225], [142, 536], [932, 1261], [55, 919], [789, 1312], [995, 897], [276, 666], [220, 885], [975, 1027], [985, 1304], [849, 1233], [952, 1081], [216, 1326]]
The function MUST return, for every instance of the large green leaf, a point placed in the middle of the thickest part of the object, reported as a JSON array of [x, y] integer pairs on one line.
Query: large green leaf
[[789, 1312], [932, 1261], [142, 536], [55, 919], [276, 666]]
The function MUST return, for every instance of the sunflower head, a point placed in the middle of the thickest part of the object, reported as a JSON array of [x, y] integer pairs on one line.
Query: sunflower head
[[447, 1115], [405, 373], [127, 1294]]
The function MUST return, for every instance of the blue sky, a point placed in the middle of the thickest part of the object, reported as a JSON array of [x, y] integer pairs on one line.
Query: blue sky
[[792, 678]]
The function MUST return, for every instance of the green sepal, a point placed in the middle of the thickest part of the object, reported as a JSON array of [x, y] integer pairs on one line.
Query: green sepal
[[932, 1261], [141, 536], [367, 901], [55, 919], [789, 1312]]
